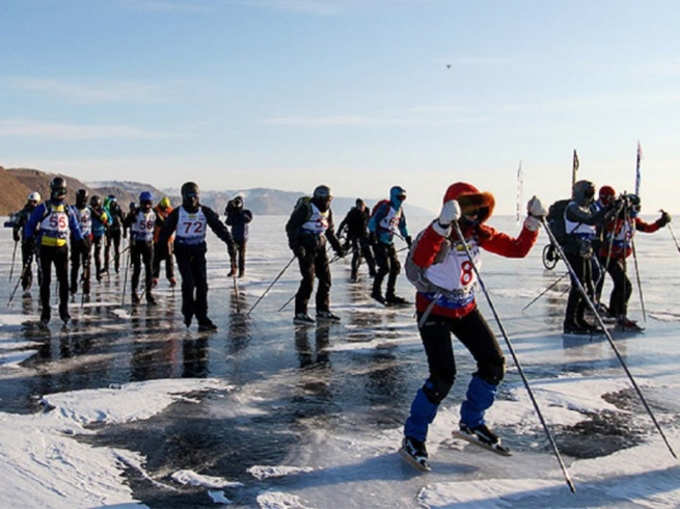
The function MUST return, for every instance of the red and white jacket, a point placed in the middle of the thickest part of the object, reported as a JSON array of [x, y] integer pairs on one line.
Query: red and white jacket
[[454, 273], [623, 232]]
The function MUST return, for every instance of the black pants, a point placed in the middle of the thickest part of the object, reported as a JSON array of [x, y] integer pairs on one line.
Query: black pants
[[59, 257], [27, 254], [388, 263], [361, 248], [618, 300], [161, 253], [473, 331], [240, 246], [192, 267], [141, 252], [576, 304], [313, 263], [97, 242], [112, 236], [80, 255]]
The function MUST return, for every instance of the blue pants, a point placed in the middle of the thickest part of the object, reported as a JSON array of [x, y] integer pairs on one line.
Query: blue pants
[[473, 331]]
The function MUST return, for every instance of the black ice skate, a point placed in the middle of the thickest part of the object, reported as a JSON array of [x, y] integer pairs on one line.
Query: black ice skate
[[415, 453], [483, 437]]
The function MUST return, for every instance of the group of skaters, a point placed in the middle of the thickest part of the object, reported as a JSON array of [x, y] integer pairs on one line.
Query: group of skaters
[[598, 239], [157, 234], [442, 264]]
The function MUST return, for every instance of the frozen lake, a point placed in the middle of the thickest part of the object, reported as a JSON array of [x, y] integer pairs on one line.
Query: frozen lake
[[127, 406]]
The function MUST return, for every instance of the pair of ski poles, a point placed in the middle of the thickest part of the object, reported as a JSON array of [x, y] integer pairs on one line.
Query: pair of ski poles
[[584, 293]]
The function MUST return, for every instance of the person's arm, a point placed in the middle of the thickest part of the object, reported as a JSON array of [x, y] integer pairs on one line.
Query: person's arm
[[645, 227], [247, 216], [577, 215], [505, 245], [32, 223], [74, 224], [169, 226], [19, 222], [344, 222], [220, 230], [404, 229], [330, 234]]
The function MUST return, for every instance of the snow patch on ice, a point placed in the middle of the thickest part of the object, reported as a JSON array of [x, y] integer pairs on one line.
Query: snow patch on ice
[[16, 320], [193, 479], [43, 466], [279, 500], [133, 401], [122, 313], [261, 472]]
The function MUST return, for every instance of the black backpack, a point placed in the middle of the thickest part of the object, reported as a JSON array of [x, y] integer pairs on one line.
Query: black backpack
[[556, 220]]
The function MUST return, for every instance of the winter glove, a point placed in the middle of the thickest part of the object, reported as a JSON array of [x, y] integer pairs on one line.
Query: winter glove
[[408, 240], [664, 219], [299, 251], [536, 211], [450, 212], [16, 236]]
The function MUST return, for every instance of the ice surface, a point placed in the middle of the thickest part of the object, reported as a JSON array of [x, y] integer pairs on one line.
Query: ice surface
[[126, 406]]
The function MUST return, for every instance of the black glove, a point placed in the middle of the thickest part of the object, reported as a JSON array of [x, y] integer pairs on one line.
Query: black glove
[[16, 236], [340, 252], [408, 240], [664, 219]]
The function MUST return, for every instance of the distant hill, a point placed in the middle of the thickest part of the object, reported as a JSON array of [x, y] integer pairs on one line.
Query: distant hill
[[17, 183], [276, 202]]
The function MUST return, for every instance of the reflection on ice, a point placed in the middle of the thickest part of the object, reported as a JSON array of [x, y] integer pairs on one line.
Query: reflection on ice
[[316, 413]]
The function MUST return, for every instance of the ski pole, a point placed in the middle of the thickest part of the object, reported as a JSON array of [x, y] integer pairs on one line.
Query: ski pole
[[16, 286], [127, 268], [270, 285], [428, 310], [14, 255], [609, 338], [546, 290], [639, 284], [514, 356], [287, 302], [670, 229]]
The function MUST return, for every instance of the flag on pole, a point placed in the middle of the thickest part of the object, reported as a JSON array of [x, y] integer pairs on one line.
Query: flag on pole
[[574, 168], [520, 184], [637, 169]]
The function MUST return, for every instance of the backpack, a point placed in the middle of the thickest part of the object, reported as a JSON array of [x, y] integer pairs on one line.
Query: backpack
[[556, 220], [375, 208], [416, 274]]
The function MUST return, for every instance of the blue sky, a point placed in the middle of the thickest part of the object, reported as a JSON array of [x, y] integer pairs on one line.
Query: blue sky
[[354, 94]]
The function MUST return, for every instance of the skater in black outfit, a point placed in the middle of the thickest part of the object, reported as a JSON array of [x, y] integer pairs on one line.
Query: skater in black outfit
[[27, 245], [56, 220], [308, 228], [239, 219], [142, 224], [356, 224], [81, 252], [581, 222], [189, 222], [113, 233]]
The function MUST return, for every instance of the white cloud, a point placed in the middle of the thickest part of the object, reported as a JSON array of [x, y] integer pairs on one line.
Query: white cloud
[[62, 131], [81, 92]]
